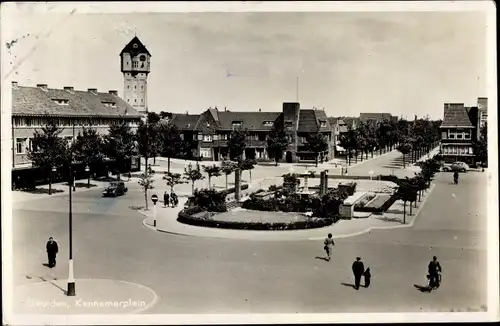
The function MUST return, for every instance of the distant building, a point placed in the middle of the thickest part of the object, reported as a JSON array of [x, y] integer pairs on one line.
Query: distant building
[[482, 105], [365, 117], [71, 109], [135, 66], [209, 132], [459, 130]]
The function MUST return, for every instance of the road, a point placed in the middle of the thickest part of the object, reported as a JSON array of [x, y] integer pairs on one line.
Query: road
[[194, 275]]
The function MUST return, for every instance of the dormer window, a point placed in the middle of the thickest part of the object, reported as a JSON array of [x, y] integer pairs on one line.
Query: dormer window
[[268, 123], [237, 123], [322, 123], [61, 101], [109, 104], [288, 124]]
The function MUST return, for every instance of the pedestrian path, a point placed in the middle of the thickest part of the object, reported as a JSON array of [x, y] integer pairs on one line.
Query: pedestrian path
[[166, 221]]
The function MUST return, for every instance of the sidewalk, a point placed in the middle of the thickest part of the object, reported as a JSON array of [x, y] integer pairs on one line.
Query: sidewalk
[[166, 221]]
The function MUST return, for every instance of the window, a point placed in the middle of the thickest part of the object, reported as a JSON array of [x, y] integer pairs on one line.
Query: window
[[459, 135], [135, 100], [237, 123], [268, 123], [20, 145], [128, 100], [135, 64], [142, 87], [109, 104], [207, 138], [466, 135], [322, 123], [444, 135], [61, 101], [470, 150], [128, 86], [288, 123], [205, 152], [142, 100], [135, 86], [223, 137]]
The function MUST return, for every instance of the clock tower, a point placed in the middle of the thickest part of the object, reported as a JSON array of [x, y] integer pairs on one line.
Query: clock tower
[[135, 61]]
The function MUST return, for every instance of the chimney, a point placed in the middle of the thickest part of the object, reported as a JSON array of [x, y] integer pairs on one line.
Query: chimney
[[69, 88], [14, 84], [42, 86], [260, 110], [113, 92], [225, 109], [92, 90]]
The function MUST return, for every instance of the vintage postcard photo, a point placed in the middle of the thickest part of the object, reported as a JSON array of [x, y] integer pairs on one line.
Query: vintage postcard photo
[[249, 162]]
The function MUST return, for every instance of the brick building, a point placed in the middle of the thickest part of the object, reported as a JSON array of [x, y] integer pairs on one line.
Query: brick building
[[460, 128], [71, 109], [209, 131]]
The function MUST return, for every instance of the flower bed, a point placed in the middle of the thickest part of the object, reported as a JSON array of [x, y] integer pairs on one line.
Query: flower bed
[[257, 226], [376, 207]]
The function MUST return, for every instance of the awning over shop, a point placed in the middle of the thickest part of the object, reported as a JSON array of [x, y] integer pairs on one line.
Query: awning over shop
[[339, 148]]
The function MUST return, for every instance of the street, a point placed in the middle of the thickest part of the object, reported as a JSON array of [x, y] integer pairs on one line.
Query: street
[[196, 275]]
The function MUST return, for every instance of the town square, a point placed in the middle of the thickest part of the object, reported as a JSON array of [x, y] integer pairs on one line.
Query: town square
[[129, 197]]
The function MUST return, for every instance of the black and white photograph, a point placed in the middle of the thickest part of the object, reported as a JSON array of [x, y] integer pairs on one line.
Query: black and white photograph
[[249, 162]]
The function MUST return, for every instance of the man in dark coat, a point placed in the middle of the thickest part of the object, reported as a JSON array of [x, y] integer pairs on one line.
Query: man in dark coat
[[358, 268], [166, 201], [434, 268], [52, 250]]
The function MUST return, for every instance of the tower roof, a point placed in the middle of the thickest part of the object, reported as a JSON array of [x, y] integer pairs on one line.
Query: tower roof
[[134, 50]]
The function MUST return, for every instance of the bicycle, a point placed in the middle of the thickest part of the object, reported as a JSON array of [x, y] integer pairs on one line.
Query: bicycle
[[430, 286]]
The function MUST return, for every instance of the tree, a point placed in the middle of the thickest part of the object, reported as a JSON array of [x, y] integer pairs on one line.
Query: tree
[[404, 148], [146, 182], [148, 137], [173, 179], [247, 164], [237, 143], [193, 174], [277, 142], [88, 148], [317, 144], [171, 143], [119, 144], [349, 141], [480, 146], [48, 150], [382, 134], [210, 200], [228, 167], [407, 193], [212, 171]]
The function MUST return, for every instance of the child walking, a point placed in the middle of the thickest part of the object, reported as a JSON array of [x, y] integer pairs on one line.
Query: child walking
[[368, 277]]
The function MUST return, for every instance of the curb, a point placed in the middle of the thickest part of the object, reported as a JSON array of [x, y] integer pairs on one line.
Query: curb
[[373, 228], [412, 223]]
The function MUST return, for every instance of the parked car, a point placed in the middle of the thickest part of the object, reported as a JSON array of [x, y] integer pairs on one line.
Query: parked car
[[116, 188], [446, 167], [460, 166]]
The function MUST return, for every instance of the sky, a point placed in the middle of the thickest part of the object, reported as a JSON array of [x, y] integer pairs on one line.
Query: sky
[[404, 63]]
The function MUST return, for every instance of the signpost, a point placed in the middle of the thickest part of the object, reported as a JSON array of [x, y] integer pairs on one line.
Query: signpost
[[154, 198]]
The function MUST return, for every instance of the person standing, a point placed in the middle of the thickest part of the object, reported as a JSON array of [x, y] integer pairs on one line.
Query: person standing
[[434, 268], [358, 269], [52, 250], [329, 246], [166, 201]]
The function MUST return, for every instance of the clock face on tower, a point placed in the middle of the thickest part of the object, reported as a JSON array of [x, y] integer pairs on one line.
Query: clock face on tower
[[142, 58]]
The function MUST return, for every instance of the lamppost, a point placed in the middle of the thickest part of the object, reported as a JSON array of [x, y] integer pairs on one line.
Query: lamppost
[[50, 181], [87, 169], [71, 279]]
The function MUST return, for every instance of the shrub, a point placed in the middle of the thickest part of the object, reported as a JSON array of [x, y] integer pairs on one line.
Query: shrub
[[391, 178], [274, 188], [210, 200], [349, 188], [312, 223]]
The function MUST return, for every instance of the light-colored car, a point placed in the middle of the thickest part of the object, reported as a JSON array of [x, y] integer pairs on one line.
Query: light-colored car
[[446, 167], [460, 166]]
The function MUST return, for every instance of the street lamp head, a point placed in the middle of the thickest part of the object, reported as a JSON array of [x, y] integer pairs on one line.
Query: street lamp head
[[54, 169], [87, 168]]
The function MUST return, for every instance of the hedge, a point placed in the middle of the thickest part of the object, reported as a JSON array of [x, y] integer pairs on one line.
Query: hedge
[[300, 225], [233, 189], [391, 178]]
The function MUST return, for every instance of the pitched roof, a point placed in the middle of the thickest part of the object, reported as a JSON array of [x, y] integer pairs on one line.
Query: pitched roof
[[37, 101], [456, 114], [185, 121], [249, 120], [140, 48], [375, 116]]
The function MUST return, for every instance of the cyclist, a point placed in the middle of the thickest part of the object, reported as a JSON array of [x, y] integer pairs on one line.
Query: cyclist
[[434, 268]]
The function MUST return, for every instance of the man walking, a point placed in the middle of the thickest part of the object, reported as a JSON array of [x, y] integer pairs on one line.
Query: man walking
[[434, 268], [329, 246], [166, 199], [52, 250], [358, 268]]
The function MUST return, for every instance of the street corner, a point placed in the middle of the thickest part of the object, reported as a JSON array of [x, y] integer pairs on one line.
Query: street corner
[[93, 296]]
